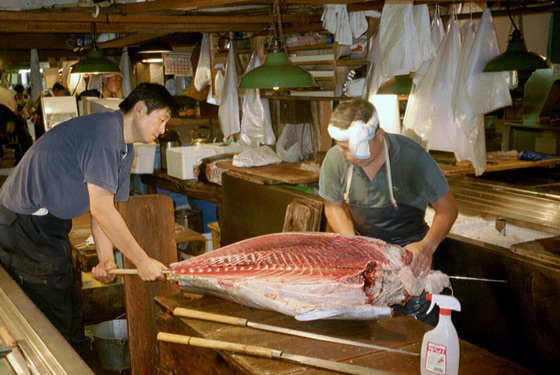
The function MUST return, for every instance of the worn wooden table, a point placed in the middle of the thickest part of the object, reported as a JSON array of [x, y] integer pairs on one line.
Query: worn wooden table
[[192, 188], [398, 332], [84, 253]]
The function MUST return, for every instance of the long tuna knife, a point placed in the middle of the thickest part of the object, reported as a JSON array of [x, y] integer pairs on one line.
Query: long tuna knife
[[477, 279], [18, 363], [260, 351], [241, 322], [132, 271]]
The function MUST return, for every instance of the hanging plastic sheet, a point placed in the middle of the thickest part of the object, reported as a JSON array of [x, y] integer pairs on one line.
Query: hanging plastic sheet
[[460, 100], [126, 86], [345, 25], [398, 39], [401, 45], [335, 19], [228, 114], [488, 90], [479, 93], [443, 129], [256, 124], [36, 77], [203, 75], [437, 34]]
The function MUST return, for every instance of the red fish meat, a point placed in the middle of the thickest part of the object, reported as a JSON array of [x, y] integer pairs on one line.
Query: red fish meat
[[309, 275]]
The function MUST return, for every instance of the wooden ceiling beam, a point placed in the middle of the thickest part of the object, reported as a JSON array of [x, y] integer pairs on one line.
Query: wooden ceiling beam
[[28, 41], [189, 5], [19, 56], [61, 20], [84, 28], [131, 40]]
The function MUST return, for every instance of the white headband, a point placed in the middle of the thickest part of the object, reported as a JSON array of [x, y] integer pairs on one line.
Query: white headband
[[357, 135]]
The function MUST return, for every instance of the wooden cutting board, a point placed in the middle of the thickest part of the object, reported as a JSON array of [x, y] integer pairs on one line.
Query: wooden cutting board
[[544, 249], [283, 173]]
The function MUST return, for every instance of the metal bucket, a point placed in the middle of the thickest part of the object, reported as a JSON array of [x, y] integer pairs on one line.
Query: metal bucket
[[111, 341], [191, 219]]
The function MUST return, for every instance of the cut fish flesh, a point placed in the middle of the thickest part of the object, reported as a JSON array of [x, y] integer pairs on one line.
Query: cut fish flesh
[[309, 275]]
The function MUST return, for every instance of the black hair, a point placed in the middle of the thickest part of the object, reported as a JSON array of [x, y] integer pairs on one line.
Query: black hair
[[58, 86], [155, 97], [19, 88]]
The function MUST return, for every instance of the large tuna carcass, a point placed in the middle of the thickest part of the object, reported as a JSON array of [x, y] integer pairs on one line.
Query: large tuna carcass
[[309, 275]]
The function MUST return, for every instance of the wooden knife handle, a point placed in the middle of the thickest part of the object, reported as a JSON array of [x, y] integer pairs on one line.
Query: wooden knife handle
[[130, 271], [220, 345], [187, 313], [7, 337]]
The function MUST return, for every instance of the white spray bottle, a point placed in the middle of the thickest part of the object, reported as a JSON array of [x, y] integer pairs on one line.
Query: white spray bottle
[[440, 346]]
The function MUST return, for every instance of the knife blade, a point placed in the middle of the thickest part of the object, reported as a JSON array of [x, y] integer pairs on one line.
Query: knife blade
[[18, 363], [477, 279]]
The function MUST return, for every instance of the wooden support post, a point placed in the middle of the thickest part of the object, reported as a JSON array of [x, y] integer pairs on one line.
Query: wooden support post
[[151, 221]]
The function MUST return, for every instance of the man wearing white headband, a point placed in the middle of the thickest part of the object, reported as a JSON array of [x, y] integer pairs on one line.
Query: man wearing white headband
[[105, 86], [379, 185]]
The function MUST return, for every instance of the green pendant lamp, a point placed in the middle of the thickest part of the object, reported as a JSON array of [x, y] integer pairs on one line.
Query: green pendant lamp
[[399, 85], [517, 57], [155, 46], [95, 63], [277, 72]]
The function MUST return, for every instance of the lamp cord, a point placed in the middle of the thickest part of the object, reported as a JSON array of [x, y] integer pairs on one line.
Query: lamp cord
[[279, 22]]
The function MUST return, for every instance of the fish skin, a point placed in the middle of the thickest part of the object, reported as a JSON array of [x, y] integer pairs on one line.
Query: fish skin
[[309, 275]]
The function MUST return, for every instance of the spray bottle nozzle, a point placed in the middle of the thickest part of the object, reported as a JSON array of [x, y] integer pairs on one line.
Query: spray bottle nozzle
[[443, 301]]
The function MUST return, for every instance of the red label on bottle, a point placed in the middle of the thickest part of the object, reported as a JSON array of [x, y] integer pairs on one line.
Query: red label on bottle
[[436, 358]]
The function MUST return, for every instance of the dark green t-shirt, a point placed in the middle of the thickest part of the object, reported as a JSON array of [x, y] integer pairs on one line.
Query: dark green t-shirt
[[417, 179]]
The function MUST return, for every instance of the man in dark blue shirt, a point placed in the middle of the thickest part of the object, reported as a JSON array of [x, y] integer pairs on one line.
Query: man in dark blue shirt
[[80, 165]]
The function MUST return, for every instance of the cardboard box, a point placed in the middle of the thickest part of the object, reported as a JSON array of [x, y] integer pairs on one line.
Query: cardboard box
[[144, 158], [181, 160]]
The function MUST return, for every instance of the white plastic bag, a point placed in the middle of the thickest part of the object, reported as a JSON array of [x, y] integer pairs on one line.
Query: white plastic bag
[[488, 90], [256, 123], [218, 85], [444, 131], [228, 114], [203, 75], [398, 39], [295, 142], [255, 157]]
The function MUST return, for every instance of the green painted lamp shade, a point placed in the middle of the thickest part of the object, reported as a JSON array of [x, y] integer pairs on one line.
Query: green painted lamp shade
[[155, 46], [277, 72], [517, 57], [96, 64], [400, 86]]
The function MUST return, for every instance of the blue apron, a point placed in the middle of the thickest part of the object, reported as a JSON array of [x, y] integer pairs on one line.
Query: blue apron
[[398, 224]]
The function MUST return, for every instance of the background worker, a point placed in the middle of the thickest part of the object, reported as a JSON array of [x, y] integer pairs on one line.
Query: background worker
[[58, 89], [110, 87], [386, 182], [81, 165], [7, 97], [13, 133]]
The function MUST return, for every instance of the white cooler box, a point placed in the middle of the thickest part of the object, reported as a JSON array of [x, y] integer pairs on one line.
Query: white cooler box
[[181, 160], [144, 158]]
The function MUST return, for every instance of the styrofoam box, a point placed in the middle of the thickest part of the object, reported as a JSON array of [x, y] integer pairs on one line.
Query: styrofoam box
[[222, 148], [180, 160], [144, 158]]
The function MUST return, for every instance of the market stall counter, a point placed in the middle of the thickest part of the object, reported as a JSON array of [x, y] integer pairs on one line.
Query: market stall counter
[[398, 332]]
